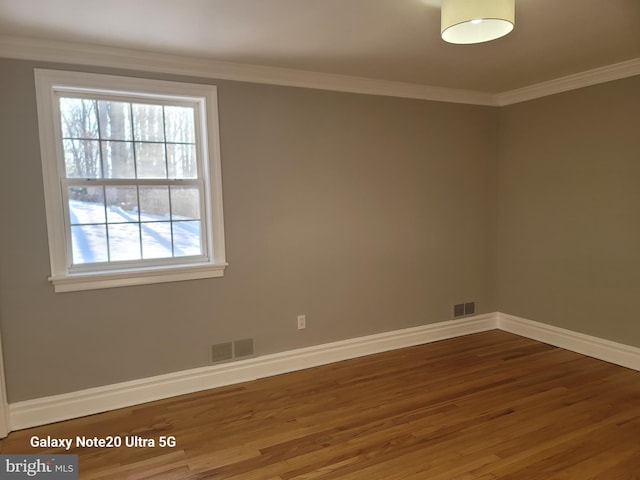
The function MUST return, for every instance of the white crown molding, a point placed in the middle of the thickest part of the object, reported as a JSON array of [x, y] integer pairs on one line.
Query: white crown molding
[[56, 408], [100, 56], [128, 59], [616, 71], [612, 352]]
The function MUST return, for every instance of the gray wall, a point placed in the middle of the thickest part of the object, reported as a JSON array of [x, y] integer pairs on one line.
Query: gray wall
[[365, 213], [569, 197]]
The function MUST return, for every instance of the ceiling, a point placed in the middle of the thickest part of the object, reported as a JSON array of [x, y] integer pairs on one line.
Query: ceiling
[[396, 40]]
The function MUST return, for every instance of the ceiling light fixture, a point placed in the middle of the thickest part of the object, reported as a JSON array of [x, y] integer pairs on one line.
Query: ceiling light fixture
[[476, 21]]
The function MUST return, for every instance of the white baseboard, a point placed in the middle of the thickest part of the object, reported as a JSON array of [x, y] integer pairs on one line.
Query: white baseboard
[[56, 408], [595, 347]]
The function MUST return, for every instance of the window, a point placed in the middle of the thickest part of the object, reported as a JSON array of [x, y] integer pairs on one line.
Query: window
[[132, 182]]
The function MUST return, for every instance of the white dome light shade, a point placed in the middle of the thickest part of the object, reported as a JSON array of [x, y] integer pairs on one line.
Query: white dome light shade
[[476, 21]]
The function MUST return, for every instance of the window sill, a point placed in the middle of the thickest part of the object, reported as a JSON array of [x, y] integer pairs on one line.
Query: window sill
[[93, 281]]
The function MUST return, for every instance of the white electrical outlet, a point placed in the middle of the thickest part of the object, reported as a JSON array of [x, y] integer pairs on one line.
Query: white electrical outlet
[[302, 322]]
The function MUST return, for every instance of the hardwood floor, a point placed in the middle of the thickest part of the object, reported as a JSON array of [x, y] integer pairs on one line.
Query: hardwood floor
[[481, 407]]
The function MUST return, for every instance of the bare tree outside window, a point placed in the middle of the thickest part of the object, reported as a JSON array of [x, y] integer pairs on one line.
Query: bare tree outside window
[[117, 140], [132, 179]]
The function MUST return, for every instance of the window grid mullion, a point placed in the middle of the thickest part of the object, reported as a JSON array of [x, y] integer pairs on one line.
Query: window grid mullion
[[95, 103], [106, 222], [166, 166], [104, 188], [139, 221], [135, 174], [124, 223], [164, 140], [113, 140], [173, 248], [123, 182], [133, 142]]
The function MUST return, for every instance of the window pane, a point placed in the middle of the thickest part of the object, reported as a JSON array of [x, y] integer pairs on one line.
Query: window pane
[[185, 203], [154, 204], [182, 161], [82, 159], [86, 205], [148, 125], [180, 124], [156, 240], [124, 241], [78, 118], [118, 160], [115, 120], [186, 238], [150, 160], [122, 204], [89, 244]]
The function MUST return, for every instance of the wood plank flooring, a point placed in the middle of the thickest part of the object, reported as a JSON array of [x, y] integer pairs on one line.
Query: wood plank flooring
[[482, 407]]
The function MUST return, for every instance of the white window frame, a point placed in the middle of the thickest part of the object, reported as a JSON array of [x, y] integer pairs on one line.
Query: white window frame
[[49, 84]]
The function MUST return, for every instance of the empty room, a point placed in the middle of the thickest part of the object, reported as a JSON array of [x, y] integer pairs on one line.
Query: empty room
[[320, 239]]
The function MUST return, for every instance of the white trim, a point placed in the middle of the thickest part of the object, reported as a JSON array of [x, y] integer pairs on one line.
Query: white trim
[[595, 347], [204, 99], [136, 60], [57, 408], [5, 418], [94, 281], [93, 55], [616, 71], [100, 399]]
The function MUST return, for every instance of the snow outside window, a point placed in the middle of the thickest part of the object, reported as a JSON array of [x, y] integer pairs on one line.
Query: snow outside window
[[132, 180]]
